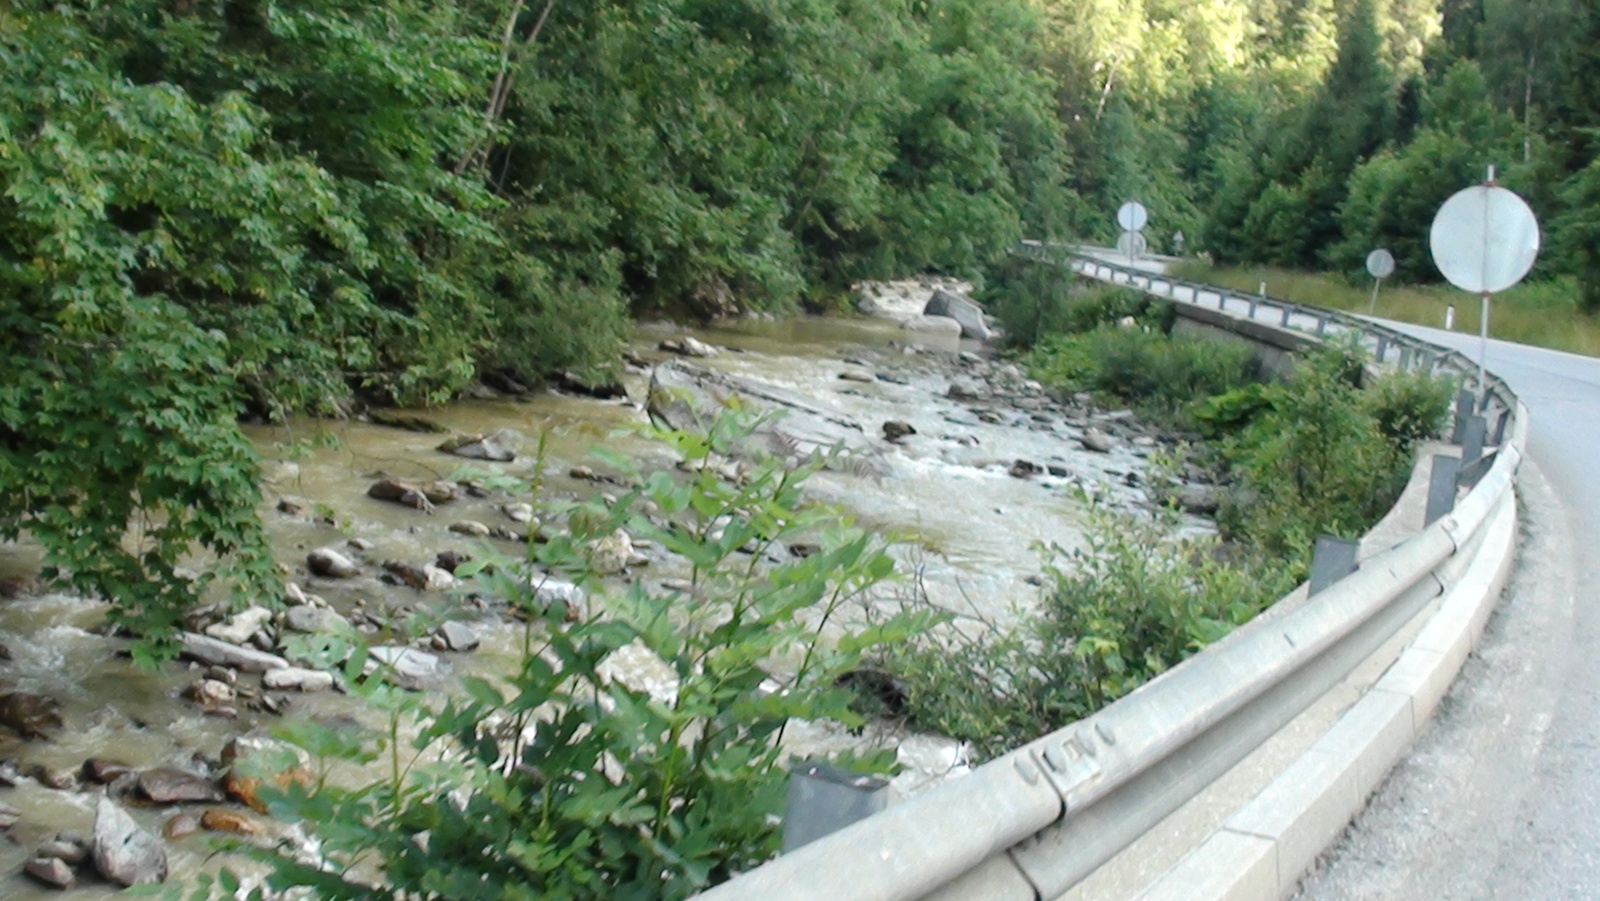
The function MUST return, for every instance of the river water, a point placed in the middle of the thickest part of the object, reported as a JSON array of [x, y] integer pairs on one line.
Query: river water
[[966, 529]]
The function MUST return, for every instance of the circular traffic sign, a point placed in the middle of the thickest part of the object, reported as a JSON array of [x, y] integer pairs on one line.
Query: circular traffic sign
[[1132, 216], [1380, 263], [1484, 239], [1132, 244]]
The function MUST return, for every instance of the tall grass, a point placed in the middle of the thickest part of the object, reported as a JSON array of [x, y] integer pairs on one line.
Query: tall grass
[[1542, 313]]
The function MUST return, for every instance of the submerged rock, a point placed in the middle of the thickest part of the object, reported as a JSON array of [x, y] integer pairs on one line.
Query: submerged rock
[[29, 715], [688, 346], [894, 430], [51, 871], [325, 562], [408, 421], [123, 852], [1025, 469], [478, 447], [218, 820]]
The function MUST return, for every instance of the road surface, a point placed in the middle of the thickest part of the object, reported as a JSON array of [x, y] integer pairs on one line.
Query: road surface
[[1501, 797]]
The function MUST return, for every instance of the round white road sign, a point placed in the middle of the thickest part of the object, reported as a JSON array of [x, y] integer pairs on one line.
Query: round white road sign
[[1132, 244], [1484, 239], [1380, 263], [1132, 216]]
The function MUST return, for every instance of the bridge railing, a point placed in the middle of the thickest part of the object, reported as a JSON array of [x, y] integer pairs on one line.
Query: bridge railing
[[1034, 822]]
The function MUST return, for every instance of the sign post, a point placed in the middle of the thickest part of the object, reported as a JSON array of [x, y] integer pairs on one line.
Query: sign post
[[1133, 217], [1380, 265], [1484, 240]]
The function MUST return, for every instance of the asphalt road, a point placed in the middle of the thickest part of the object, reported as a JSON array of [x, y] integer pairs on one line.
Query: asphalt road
[[1501, 797]]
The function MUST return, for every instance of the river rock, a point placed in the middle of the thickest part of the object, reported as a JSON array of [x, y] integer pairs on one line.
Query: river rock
[[688, 346], [29, 715], [1201, 500], [470, 527], [458, 636], [315, 620], [52, 871], [212, 652], [1024, 469], [410, 668], [408, 421], [170, 785], [70, 852], [211, 693], [518, 512], [123, 852], [254, 762], [478, 447], [933, 325], [101, 771], [8, 816], [894, 430], [295, 678], [244, 624], [1097, 441], [181, 826], [968, 314], [610, 554], [575, 384], [549, 591], [295, 506], [851, 375], [328, 563], [218, 820]]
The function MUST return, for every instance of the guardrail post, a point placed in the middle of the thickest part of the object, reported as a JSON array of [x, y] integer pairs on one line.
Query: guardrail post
[[1472, 439], [1332, 559], [1464, 404], [1442, 487], [1322, 325], [824, 799], [1383, 347], [1286, 312], [1253, 304], [1500, 427]]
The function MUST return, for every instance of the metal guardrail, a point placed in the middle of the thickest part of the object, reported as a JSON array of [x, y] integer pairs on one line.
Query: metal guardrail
[[1034, 822]]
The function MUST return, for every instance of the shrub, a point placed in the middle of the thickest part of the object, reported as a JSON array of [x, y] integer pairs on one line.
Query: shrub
[[1159, 373], [1133, 603], [566, 781], [1317, 461]]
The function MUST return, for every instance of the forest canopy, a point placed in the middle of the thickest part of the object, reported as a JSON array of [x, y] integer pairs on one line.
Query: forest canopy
[[255, 208]]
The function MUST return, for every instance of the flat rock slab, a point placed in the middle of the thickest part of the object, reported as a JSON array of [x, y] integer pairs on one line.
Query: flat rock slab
[[410, 668], [212, 652], [169, 785]]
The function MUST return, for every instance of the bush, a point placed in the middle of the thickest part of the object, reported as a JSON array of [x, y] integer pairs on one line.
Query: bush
[[1317, 460], [568, 782], [1134, 603], [1160, 374]]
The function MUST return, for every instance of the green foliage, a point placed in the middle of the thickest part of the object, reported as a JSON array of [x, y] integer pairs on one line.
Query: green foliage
[[1131, 604], [1323, 456], [1032, 300], [569, 780], [1164, 375]]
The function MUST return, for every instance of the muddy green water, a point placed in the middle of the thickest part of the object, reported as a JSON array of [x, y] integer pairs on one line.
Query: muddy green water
[[967, 531]]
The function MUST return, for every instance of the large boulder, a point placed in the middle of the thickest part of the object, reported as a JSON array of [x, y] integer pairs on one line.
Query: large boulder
[[325, 562], [962, 310], [933, 325], [123, 852]]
